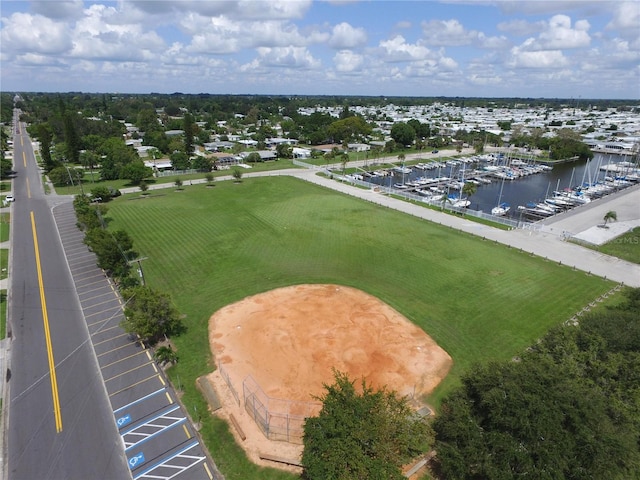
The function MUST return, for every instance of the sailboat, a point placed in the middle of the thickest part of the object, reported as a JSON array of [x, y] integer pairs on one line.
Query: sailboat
[[502, 208]]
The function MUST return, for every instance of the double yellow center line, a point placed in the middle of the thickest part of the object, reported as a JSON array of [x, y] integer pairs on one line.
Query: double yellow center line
[[47, 333]]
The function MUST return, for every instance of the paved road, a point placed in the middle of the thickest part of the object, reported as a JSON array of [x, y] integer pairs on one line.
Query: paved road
[[59, 423], [546, 240], [87, 401]]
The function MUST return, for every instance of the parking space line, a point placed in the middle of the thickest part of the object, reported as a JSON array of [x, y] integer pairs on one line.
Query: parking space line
[[103, 330], [152, 419], [198, 459], [100, 286], [112, 350], [138, 383], [111, 338], [101, 303], [115, 307], [140, 400], [122, 359], [127, 371]]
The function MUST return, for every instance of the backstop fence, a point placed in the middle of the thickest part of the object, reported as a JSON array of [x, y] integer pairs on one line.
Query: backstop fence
[[281, 420], [225, 376]]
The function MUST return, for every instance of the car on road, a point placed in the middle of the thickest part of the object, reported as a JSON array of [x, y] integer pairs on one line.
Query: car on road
[[434, 151]]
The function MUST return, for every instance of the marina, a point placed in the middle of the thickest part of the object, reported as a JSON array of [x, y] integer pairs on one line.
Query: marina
[[517, 188]]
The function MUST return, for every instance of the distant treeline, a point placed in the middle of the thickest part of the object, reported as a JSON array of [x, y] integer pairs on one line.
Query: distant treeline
[[122, 106]]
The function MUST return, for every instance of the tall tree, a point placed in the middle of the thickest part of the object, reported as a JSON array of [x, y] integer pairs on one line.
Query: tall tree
[[71, 138], [403, 134], [189, 128], [361, 434], [150, 314]]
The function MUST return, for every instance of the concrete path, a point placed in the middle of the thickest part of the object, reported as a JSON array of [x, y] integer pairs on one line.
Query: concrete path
[[544, 239]]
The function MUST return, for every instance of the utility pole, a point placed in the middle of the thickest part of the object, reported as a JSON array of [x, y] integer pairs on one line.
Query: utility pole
[[140, 272]]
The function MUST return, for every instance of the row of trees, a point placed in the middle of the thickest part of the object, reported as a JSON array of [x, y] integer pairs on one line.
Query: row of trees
[[568, 408], [149, 314]]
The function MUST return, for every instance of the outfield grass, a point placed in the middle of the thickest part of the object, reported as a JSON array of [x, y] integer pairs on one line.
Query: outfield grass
[[209, 247]]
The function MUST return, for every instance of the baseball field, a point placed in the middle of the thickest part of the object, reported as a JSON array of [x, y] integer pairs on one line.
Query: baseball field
[[212, 247]]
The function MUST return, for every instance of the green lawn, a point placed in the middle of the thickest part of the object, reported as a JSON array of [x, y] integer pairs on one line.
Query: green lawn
[[626, 246], [4, 262], [209, 247], [5, 223]]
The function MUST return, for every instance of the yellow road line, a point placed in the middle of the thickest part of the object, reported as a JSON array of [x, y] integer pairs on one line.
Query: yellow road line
[[206, 467], [24, 159], [28, 189], [47, 333], [186, 431]]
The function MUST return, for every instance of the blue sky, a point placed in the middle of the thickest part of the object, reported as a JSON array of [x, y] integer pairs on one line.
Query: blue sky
[[520, 48]]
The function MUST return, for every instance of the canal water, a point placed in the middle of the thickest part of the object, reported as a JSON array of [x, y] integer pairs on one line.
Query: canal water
[[523, 190]]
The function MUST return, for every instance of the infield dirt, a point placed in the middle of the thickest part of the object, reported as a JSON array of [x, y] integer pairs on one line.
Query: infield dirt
[[289, 341]]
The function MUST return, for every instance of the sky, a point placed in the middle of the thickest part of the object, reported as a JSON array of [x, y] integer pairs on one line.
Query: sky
[[466, 48]]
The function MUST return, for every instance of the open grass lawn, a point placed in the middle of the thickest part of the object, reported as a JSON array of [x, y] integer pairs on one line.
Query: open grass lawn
[[209, 247], [5, 223], [4, 262], [626, 246]]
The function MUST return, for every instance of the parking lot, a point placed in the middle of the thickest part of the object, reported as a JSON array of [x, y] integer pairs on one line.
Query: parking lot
[[158, 438]]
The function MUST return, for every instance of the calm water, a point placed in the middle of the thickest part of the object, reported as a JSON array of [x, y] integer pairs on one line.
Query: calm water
[[533, 188]]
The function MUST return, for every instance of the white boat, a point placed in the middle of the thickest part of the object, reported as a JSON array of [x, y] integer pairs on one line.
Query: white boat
[[500, 210]]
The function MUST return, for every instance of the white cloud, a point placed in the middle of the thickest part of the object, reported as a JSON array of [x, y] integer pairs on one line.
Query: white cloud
[[345, 36], [96, 37], [35, 34], [560, 34], [523, 58], [348, 61], [626, 22], [289, 57], [447, 32], [398, 50]]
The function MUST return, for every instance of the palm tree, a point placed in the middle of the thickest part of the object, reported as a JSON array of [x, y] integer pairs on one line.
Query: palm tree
[[178, 184], [469, 189], [237, 174], [610, 216], [444, 199], [165, 355]]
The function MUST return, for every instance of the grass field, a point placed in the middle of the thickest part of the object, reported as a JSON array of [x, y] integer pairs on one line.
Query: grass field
[[625, 246], [209, 247], [5, 224]]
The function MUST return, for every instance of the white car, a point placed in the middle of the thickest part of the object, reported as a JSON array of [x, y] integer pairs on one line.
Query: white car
[[9, 198]]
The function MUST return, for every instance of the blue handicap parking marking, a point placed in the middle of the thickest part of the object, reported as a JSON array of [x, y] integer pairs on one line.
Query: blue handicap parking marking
[[122, 421], [136, 460]]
